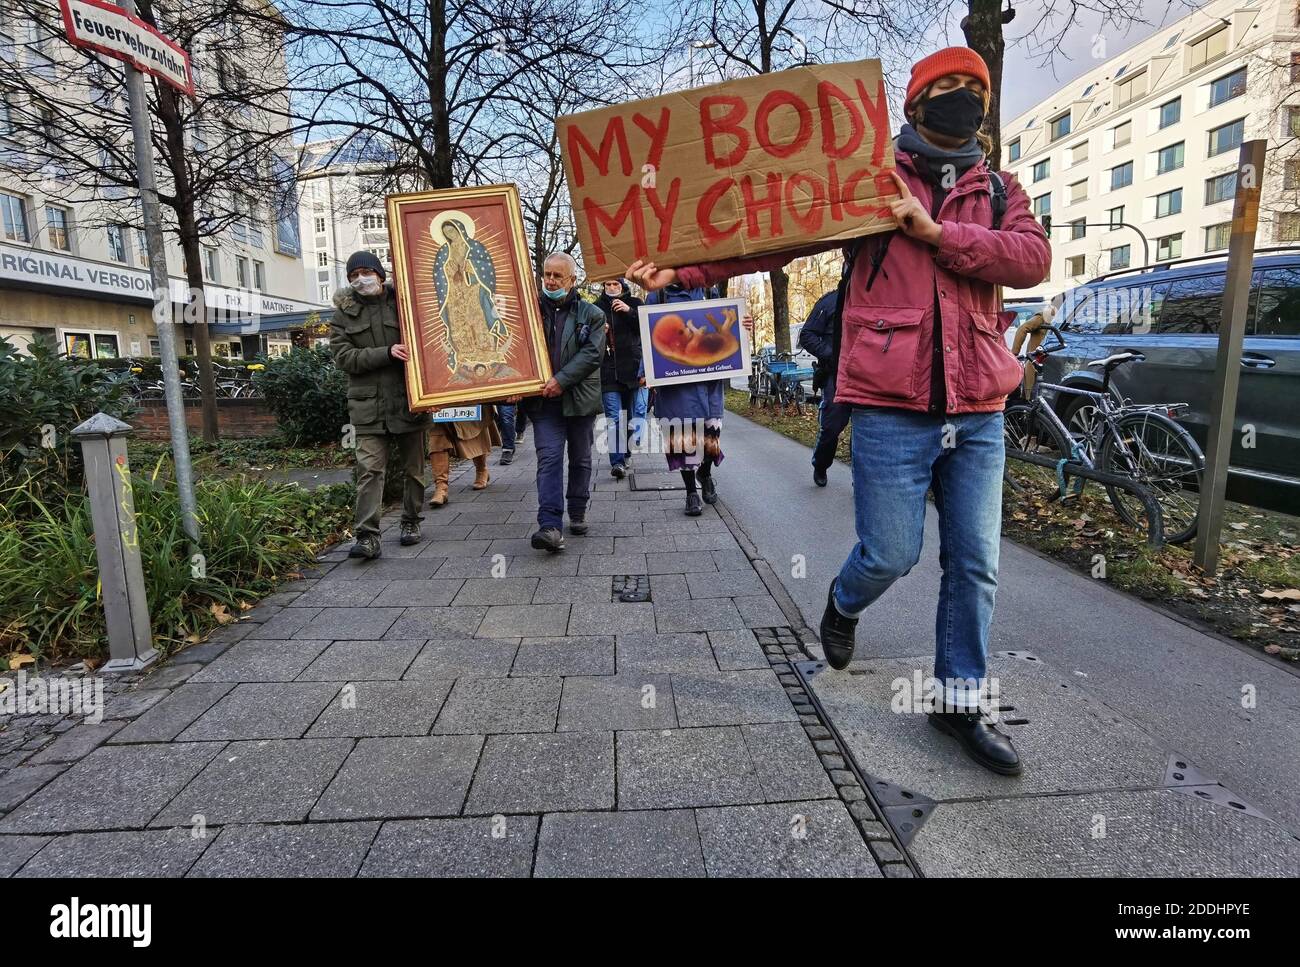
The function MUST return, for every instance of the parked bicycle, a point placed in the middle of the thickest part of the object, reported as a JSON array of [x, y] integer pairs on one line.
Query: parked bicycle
[[776, 379], [1141, 443]]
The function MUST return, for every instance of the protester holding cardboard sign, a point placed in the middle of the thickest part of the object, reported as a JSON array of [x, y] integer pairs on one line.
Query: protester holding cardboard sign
[[923, 362]]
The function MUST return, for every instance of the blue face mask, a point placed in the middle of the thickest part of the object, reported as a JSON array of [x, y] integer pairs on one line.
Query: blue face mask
[[556, 294]]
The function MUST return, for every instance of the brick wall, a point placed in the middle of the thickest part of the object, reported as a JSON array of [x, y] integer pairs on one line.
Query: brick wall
[[237, 418]]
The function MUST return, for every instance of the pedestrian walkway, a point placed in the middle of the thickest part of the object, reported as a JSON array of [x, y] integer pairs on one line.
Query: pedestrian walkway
[[1150, 747], [471, 706]]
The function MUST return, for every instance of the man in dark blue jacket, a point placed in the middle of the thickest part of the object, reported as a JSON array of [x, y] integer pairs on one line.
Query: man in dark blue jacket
[[818, 337]]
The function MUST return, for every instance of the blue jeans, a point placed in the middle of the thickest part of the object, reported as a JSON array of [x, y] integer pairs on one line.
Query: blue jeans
[[504, 414], [832, 418], [629, 404], [553, 432], [897, 456]]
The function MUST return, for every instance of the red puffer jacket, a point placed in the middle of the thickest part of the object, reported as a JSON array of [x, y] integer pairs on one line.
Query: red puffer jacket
[[887, 342]]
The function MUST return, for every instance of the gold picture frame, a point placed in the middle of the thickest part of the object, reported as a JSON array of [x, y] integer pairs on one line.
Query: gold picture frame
[[466, 296]]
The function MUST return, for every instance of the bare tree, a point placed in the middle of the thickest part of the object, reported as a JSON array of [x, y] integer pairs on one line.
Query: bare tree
[[223, 154]]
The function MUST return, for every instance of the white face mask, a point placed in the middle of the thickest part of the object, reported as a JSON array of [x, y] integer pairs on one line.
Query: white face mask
[[367, 285]]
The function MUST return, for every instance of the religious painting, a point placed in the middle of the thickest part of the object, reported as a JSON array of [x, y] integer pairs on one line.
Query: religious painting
[[466, 296]]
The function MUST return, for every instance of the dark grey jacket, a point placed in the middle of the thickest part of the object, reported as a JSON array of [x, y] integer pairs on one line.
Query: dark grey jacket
[[579, 369], [361, 333]]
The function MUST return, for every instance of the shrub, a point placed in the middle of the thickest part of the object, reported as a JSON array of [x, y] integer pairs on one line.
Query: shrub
[[46, 389], [252, 534], [307, 393]]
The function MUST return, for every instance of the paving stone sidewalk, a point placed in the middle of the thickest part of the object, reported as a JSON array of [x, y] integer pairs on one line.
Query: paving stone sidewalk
[[469, 706]]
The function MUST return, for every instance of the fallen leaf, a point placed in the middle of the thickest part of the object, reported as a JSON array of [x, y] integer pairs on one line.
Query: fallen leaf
[[220, 613], [1272, 649], [17, 661], [92, 663], [1290, 594], [1237, 526], [245, 606]]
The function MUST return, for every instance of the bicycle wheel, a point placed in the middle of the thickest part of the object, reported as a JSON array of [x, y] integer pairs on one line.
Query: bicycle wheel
[[1164, 458], [1023, 429]]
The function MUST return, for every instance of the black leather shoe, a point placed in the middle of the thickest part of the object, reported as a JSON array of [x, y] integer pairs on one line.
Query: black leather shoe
[[819, 477], [838, 633], [507, 457], [708, 489], [694, 506], [618, 471], [982, 742], [577, 527]]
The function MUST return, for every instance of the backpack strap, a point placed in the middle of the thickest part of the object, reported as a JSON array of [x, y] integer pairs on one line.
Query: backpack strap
[[998, 189]]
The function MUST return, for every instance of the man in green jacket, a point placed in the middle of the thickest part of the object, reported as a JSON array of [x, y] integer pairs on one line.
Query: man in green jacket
[[367, 345], [565, 414]]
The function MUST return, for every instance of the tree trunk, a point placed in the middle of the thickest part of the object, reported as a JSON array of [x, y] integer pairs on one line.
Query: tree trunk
[[780, 309], [983, 30], [440, 172]]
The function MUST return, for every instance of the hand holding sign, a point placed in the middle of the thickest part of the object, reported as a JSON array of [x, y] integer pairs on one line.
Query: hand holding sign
[[912, 218], [650, 278]]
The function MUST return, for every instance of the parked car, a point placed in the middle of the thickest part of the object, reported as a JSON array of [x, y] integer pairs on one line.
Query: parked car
[[1024, 310], [1170, 313]]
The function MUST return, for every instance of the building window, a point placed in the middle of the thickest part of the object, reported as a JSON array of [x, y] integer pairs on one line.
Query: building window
[[1079, 191], [210, 264], [1115, 217], [1013, 150], [117, 243], [88, 345], [1131, 89], [1121, 176], [1078, 229], [13, 210], [1288, 227], [1295, 59], [1169, 203], [56, 228], [374, 221], [1123, 133], [1217, 236], [1169, 247], [1172, 40], [1060, 126], [1075, 266], [1220, 188], [1079, 153], [241, 271], [325, 293], [1208, 49], [1042, 169], [259, 276], [1227, 137], [1043, 204], [1291, 174], [322, 259], [1226, 88], [1293, 122], [1119, 257], [1171, 112], [1169, 159], [319, 224], [141, 248]]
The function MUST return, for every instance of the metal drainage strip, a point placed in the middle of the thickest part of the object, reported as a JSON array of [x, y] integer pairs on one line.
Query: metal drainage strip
[[631, 587], [903, 810], [1183, 777]]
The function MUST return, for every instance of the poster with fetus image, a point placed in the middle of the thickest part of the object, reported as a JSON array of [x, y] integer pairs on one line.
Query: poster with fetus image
[[690, 342]]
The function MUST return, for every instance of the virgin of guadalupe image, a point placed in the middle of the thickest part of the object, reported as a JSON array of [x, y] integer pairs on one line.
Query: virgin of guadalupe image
[[476, 337]]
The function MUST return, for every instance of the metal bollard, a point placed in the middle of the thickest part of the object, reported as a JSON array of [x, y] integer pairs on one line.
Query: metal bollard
[[117, 544]]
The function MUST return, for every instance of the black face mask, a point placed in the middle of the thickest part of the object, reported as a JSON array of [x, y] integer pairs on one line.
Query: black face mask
[[957, 114]]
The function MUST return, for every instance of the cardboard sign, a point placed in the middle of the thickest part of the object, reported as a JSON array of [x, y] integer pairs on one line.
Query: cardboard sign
[[109, 29], [755, 165], [691, 342], [466, 298]]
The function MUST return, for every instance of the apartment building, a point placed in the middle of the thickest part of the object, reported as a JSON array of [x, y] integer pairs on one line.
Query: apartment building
[[343, 183], [74, 267], [1135, 161]]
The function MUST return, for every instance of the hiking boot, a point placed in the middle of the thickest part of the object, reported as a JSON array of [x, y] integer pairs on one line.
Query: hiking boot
[[507, 457], [982, 742], [694, 506], [577, 527], [708, 489], [410, 532], [367, 546], [838, 634], [549, 539]]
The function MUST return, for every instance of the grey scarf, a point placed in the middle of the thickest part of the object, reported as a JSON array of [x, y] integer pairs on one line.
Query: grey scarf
[[963, 158]]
